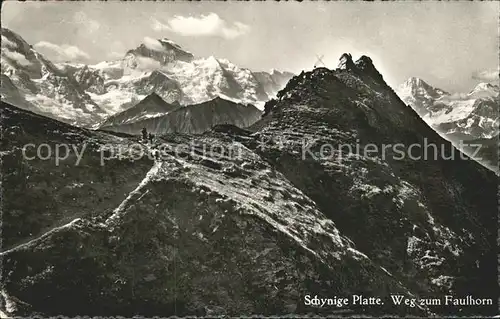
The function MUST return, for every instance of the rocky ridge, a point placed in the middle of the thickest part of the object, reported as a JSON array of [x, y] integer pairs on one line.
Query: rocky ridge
[[248, 222]]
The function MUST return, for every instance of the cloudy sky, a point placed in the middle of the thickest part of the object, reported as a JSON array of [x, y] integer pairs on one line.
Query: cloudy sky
[[452, 45]]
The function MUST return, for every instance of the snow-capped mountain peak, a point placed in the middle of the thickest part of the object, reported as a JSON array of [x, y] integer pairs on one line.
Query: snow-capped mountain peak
[[414, 82], [457, 116], [416, 89], [160, 51], [275, 72], [42, 87], [158, 66], [415, 85], [212, 62], [169, 42], [484, 90]]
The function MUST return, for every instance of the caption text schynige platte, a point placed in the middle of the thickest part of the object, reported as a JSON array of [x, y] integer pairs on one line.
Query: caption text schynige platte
[[398, 300]]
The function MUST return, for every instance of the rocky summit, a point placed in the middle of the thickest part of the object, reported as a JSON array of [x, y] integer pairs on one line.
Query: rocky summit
[[254, 221]]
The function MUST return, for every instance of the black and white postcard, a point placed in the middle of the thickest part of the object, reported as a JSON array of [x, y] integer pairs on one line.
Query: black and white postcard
[[249, 158]]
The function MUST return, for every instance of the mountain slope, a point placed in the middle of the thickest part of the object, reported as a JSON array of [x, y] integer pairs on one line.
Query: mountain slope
[[47, 89], [182, 235], [128, 90], [233, 222], [151, 106], [417, 217], [486, 151], [9, 92], [191, 119]]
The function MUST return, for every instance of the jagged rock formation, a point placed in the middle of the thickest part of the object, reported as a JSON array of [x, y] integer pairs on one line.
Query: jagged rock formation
[[37, 84], [191, 119], [242, 222], [345, 62], [108, 70]]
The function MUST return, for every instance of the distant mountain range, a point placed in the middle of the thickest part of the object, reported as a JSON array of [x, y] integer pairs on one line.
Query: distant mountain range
[[160, 117], [150, 82], [85, 95], [151, 106], [471, 117]]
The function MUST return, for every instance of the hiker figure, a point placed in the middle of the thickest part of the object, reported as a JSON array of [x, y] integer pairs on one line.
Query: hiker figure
[[151, 137], [144, 134]]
